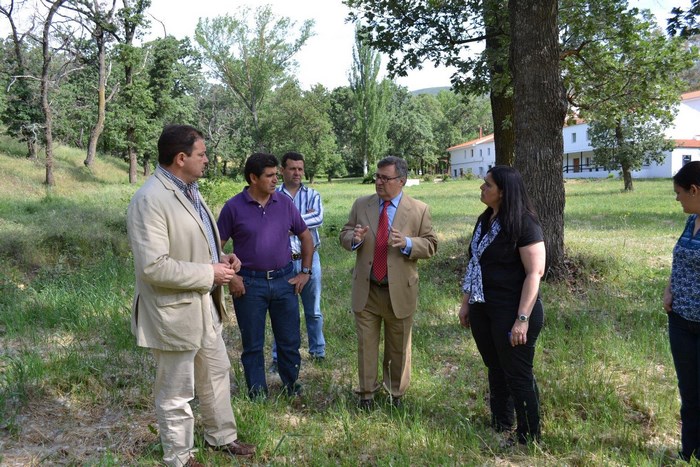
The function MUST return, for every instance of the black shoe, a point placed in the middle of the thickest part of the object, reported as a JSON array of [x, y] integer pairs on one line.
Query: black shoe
[[365, 404], [318, 358], [294, 390], [273, 368], [396, 402]]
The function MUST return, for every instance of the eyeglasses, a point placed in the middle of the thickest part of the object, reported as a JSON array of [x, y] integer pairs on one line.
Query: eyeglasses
[[384, 178]]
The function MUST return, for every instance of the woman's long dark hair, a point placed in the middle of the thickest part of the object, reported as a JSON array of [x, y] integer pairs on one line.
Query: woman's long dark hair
[[515, 203]]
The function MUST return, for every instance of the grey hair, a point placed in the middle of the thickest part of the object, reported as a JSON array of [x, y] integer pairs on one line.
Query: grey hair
[[400, 164]]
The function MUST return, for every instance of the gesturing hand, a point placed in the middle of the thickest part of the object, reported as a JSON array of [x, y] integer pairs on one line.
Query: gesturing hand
[[358, 234]]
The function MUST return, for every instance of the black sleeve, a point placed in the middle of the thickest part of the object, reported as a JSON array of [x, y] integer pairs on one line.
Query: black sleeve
[[531, 232]]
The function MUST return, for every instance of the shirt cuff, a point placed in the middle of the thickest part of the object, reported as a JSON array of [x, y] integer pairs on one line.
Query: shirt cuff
[[409, 246]]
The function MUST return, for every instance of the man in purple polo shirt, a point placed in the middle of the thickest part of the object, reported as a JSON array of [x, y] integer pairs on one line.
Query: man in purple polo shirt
[[259, 220]]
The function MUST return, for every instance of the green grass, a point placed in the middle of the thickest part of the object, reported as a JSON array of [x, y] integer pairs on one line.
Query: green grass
[[74, 389]]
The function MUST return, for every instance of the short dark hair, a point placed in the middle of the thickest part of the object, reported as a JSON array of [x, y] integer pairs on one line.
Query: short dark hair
[[176, 139], [295, 156], [257, 163], [400, 165], [688, 175]]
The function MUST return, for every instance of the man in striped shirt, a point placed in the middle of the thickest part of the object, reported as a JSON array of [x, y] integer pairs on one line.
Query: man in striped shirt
[[308, 202]]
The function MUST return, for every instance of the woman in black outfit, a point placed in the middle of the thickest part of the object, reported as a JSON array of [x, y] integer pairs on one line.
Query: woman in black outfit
[[501, 300]]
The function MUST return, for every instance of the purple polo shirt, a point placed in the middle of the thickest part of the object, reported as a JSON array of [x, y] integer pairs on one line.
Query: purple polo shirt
[[260, 234]]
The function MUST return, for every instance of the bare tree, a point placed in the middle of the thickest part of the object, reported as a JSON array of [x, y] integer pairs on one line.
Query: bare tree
[[99, 19], [47, 55]]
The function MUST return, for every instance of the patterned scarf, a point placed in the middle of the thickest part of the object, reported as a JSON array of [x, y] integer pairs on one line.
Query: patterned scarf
[[472, 279]]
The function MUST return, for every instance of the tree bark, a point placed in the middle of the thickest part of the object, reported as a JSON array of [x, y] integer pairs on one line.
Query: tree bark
[[96, 131], [503, 130], [496, 24], [539, 111], [45, 84]]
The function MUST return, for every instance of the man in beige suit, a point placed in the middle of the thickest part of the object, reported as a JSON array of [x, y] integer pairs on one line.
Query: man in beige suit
[[178, 305], [389, 231]]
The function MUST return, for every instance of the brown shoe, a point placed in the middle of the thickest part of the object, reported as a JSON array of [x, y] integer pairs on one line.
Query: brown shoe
[[235, 448], [192, 462]]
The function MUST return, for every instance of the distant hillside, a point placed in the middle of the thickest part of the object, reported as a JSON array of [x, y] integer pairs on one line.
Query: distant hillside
[[432, 91]]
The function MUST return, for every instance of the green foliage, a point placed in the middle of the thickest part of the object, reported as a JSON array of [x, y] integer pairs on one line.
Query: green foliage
[[298, 121], [370, 103], [250, 61], [624, 77]]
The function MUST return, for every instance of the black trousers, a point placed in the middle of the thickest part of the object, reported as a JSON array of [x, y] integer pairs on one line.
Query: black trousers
[[512, 385], [684, 336]]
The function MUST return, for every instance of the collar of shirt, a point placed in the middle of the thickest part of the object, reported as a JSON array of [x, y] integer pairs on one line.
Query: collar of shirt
[[394, 202], [182, 186], [250, 199], [283, 189]]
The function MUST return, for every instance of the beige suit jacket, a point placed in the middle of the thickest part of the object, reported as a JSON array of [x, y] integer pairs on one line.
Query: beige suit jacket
[[172, 261], [413, 219]]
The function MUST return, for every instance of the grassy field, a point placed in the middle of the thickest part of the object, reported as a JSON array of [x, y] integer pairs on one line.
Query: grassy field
[[74, 389]]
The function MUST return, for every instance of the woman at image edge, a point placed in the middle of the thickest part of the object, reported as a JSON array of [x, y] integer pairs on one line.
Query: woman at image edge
[[682, 303], [501, 299]]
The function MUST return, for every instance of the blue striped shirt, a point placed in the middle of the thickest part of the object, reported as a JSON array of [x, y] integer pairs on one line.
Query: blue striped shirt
[[685, 273], [196, 201], [308, 202]]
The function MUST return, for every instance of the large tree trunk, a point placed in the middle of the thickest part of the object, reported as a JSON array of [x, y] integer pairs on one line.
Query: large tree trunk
[[539, 111], [496, 25]]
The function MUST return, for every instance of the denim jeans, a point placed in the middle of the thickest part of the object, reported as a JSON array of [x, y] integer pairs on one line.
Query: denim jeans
[[684, 336], [311, 300], [276, 296], [512, 384]]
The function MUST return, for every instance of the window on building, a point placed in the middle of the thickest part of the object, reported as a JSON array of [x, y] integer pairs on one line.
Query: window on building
[[455, 171], [472, 153], [488, 151], [686, 158], [481, 152], [461, 172], [573, 137]]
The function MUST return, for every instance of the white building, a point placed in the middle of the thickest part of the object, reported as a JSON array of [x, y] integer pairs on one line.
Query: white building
[[477, 156]]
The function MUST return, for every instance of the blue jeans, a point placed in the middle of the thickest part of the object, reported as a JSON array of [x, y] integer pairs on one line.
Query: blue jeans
[[512, 384], [311, 299], [684, 336], [277, 296]]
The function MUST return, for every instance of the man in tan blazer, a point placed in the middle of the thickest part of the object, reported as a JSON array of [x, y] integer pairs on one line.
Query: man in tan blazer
[[389, 231], [178, 306]]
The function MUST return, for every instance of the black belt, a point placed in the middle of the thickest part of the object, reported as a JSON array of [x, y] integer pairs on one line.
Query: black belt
[[269, 275], [379, 284]]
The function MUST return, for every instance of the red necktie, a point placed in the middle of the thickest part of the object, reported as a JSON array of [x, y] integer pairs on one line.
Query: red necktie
[[381, 246]]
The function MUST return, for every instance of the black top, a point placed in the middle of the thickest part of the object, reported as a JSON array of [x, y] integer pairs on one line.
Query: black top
[[501, 268]]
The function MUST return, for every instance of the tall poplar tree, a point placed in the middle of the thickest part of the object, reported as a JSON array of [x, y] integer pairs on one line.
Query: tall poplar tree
[[370, 103], [251, 61]]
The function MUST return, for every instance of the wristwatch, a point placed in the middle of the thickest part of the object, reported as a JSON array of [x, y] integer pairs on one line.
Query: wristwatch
[[306, 271], [523, 318]]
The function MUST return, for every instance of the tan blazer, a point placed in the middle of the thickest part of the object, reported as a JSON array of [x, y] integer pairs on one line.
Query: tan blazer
[[172, 261], [413, 220]]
